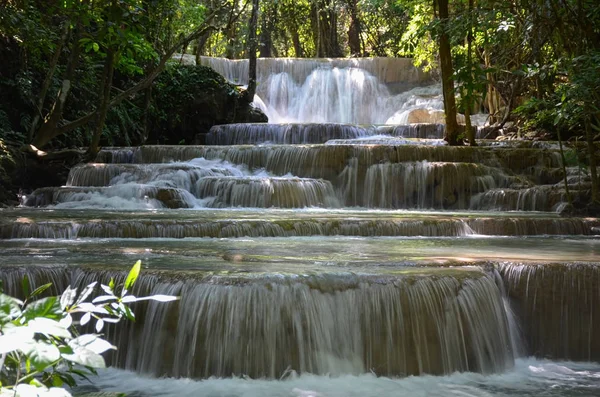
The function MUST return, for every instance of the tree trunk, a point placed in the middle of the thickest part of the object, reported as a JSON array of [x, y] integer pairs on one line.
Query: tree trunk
[[452, 130], [354, 29], [298, 52], [469, 98], [231, 32], [324, 25], [48, 129], [266, 29], [44, 136], [589, 135], [48, 80], [105, 87], [252, 44], [200, 44]]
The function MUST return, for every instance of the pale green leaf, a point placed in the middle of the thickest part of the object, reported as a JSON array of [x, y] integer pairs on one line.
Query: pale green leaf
[[47, 326], [46, 307], [10, 308], [133, 275], [14, 339], [41, 354], [68, 297]]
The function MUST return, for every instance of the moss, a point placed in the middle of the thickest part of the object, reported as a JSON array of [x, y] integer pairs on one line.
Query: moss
[[188, 100]]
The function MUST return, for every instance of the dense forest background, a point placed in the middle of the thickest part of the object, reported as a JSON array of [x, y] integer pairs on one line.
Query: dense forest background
[[86, 73]]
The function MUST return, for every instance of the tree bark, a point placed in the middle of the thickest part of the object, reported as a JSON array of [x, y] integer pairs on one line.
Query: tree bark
[[252, 44], [105, 88], [298, 52], [266, 30], [354, 29], [452, 130], [589, 135], [42, 139], [324, 25], [47, 130], [48, 80], [469, 98]]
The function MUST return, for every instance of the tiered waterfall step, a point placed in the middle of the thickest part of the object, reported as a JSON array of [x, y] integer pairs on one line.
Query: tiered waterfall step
[[434, 321], [311, 133], [396, 321], [130, 195], [372, 176], [247, 223]]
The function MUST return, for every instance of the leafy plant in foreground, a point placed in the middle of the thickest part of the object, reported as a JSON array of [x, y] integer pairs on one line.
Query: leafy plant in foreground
[[41, 349]]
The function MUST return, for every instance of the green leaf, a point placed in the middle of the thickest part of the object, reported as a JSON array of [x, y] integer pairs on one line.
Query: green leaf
[[86, 292], [133, 275], [158, 298], [42, 354], [128, 313], [46, 307], [68, 297], [46, 326], [40, 289], [95, 47], [56, 380], [85, 357], [15, 338], [87, 350], [10, 308], [25, 285]]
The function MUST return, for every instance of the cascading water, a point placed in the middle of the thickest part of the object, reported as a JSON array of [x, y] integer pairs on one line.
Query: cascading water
[[339, 258]]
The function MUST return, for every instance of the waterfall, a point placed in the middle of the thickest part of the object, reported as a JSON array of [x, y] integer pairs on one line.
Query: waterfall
[[339, 90], [419, 323], [558, 307], [327, 249]]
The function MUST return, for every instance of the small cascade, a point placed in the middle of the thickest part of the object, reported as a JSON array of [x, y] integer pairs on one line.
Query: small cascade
[[277, 157], [424, 322], [222, 192], [428, 131], [129, 195], [428, 184], [512, 226], [244, 134], [559, 308], [536, 198], [387, 70], [183, 175], [346, 224]]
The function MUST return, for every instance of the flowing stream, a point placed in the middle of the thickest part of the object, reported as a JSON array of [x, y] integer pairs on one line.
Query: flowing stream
[[344, 251]]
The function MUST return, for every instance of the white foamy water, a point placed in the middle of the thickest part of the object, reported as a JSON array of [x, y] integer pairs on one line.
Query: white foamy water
[[529, 377], [341, 95]]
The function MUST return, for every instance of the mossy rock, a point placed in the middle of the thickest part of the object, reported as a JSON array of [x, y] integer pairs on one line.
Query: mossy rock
[[188, 100]]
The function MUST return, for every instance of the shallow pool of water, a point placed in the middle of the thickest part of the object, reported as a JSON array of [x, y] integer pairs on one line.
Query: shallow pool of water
[[529, 377]]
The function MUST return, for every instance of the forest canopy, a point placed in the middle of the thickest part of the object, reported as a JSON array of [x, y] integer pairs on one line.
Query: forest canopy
[[77, 71]]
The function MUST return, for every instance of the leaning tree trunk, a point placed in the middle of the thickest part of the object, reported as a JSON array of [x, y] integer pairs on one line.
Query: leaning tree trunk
[[452, 131], [49, 128], [48, 80], [105, 87]]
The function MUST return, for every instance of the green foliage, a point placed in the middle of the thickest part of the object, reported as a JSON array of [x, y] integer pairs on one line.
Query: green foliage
[[574, 99], [537, 115], [184, 96], [41, 348]]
